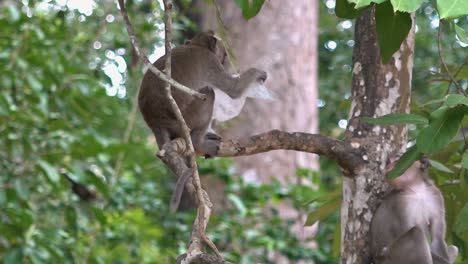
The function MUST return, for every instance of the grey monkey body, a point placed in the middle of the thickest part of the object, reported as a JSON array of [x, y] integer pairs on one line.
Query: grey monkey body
[[196, 65], [411, 214]]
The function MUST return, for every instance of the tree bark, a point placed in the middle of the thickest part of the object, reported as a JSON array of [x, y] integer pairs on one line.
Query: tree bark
[[378, 89]]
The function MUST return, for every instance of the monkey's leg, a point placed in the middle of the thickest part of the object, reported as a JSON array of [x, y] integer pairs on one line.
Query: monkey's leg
[[198, 117], [411, 248], [162, 136]]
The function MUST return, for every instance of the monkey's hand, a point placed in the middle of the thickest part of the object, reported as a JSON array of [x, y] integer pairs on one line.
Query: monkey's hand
[[251, 77], [254, 75], [211, 145]]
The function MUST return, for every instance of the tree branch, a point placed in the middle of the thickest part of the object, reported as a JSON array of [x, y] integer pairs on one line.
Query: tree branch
[[198, 235], [173, 153], [442, 61], [348, 157], [145, 59]]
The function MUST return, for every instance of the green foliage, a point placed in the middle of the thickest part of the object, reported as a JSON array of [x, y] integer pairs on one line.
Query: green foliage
[[249, 8], [440, 130], [60, 113], [393, 20], [461, 33], [394, 119], [329, 204], [406, 160], [364, 3], [392, 28], [345, 9], [452, 8], [406, 5]]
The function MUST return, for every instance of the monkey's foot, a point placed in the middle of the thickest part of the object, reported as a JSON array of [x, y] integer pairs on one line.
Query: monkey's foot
[[210, 147], [212, 136]]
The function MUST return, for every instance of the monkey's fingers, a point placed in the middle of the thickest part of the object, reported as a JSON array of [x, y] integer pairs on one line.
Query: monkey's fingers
[[178, 191]]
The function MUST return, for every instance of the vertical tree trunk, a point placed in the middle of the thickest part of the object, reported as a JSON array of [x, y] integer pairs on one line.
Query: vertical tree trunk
[[282, 40], [378, 89]]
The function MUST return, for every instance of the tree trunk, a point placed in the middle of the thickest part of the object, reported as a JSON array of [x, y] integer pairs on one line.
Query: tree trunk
[[378, 89]]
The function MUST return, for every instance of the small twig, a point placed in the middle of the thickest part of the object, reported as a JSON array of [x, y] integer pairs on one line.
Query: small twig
[[145, 59], [442, 61], [203, 208]]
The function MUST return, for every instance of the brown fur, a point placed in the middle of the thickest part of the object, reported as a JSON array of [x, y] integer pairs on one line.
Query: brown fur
[[409, 215], [195, 65]]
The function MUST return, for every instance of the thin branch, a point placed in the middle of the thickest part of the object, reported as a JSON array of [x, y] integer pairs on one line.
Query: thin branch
[[128, 130], [145, 59], [442, 61], [204, 205], [347, 156]]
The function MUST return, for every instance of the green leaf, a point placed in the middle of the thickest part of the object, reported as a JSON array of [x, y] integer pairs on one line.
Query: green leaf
[[323, 211], [14, 256], [452, 8], [345, 9], [238, 204], [33, 82], [465, 160], [440, 130], [461, 34], [439, 166], [100, 216], [14, 13], [406, 5], [392, 29], [461, 226], [395, 119], [411, 155], [71, 217], [364, 3], [50, 171], [453, 100], [249, 10]]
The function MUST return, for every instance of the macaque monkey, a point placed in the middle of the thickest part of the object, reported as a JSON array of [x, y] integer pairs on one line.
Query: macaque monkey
[[411, 214], [196, 65]]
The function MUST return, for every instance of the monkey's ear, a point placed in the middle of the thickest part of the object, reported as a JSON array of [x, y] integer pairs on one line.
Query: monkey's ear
[[212, 42], [424, 163]]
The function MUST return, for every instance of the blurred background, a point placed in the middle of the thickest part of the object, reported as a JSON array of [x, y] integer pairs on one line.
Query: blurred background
[[68, 115]]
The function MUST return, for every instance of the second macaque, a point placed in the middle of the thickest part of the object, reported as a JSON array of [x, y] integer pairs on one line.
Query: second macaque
[[409, 225]]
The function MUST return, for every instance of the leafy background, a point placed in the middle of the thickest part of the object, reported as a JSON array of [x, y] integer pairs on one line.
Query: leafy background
[[67, 105]]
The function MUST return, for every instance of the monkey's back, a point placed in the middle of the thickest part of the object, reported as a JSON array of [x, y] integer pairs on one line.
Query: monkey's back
[[188, 64]]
